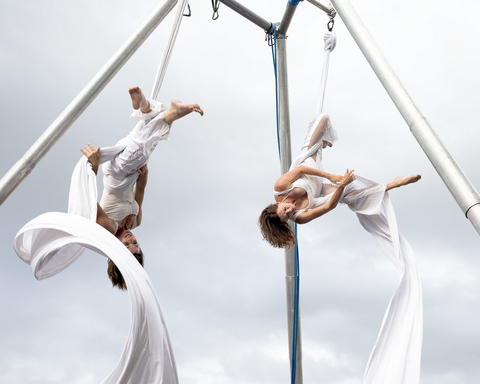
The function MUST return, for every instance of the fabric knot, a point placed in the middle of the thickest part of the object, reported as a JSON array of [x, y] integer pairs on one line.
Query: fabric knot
[[330, 40]]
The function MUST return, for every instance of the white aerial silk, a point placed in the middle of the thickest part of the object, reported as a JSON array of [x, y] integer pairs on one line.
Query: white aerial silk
[[53, 241], [330, 42], [396, 356], [167, 52]]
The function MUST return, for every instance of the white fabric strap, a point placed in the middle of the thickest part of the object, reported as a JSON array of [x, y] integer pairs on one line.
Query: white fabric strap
[[167, 52], [330, 40]]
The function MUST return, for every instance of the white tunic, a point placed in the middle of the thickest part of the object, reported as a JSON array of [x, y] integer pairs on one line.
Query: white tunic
[[53, 241], [396, 356], [120, 172]]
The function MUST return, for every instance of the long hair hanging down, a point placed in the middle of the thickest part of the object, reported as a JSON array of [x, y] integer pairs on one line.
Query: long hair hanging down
[[278, 234], [115, 275]]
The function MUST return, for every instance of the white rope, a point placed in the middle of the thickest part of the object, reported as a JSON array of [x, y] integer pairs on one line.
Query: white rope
[[167, 52], [330, 40]]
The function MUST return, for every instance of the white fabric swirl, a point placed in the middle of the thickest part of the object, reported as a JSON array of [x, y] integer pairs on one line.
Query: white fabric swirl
[[53, 241]]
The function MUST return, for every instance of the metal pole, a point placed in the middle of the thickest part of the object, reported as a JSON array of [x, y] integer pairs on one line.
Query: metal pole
[[253, 17], [286, 161], [452, 175], [321, 6], [22, 168], [287, 18]]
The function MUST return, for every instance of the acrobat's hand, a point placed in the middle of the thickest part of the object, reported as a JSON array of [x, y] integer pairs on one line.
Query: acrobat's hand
[[143, 170], [335, 179], [347, 178], [93, 156]]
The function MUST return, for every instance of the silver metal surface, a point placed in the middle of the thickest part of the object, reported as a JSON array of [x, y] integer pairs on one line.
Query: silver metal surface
[[12, 179], [321, 6], [253, 17], [452, 175], [287, 18], [286, 161]]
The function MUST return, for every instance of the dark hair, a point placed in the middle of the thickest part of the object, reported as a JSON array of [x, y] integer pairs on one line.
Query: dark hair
[[278, 234], [115, 275]]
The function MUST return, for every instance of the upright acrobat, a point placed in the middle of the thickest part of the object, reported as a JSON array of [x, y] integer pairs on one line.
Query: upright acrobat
[[125, 175]]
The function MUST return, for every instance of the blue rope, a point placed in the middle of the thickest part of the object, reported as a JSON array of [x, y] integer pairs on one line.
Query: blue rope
[[296, 292], [273, 44], [297, 264]]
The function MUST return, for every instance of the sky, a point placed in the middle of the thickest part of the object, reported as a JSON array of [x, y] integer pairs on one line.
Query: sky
[[221, 286]]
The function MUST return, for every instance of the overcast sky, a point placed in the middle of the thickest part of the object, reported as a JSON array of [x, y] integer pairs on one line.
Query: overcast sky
[[221, 287]]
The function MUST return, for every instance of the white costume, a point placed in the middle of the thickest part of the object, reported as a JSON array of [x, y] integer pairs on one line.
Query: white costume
[[53, 241], [395, 358], [132, 152]]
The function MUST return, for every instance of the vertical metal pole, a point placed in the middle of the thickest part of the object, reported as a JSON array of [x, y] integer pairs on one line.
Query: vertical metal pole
[[22, 168], [286, 161], [452, 175]]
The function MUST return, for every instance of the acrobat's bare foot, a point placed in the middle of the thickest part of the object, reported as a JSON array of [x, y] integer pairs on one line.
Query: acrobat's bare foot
[[139, 100], [178, 109], [401, 181]]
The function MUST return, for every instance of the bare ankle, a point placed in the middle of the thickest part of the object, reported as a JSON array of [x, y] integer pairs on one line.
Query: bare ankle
[[145, 105]]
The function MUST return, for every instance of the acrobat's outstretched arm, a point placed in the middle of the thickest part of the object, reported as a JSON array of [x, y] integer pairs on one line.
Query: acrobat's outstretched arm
[[286, 180]]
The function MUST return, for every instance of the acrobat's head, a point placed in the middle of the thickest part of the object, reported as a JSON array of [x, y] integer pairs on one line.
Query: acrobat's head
[[130, 241], [274, 226]]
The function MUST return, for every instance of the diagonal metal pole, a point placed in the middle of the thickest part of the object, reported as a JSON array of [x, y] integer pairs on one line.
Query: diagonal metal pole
[[324, 8], [286, 161], [248, 14], [452, 175], [22, 168]]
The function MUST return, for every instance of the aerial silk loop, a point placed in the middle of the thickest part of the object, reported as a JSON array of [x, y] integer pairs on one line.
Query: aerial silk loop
[[167, 52], [396, 355], [53, 241]]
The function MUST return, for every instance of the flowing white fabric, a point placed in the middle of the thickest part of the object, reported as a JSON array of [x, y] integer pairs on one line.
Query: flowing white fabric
[[53, 241], [396, 356], [167, 52]]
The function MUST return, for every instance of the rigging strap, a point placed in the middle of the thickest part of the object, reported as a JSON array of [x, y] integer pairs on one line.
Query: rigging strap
[[167, 52]]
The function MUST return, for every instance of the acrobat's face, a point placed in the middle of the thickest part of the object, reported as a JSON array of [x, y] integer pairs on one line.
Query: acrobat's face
[[285, 211], [129, 240]]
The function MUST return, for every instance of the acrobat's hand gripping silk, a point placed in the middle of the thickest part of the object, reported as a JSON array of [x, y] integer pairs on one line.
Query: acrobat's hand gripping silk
[[53, 241]]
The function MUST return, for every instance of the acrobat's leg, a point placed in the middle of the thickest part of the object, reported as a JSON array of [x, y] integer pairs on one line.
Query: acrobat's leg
[[396, 183], [178, 109], [318, 134], [401, 181]]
